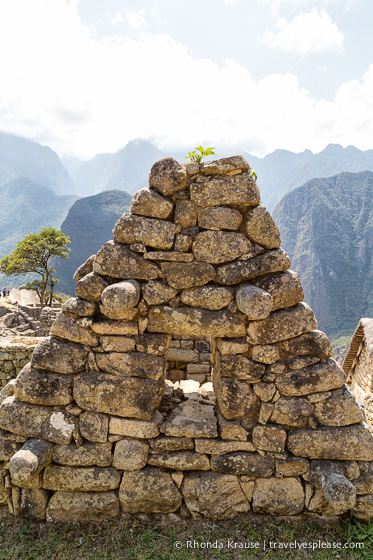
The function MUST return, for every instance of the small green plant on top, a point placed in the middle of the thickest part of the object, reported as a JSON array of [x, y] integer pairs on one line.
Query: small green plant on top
[[252, 172], [194, 156]]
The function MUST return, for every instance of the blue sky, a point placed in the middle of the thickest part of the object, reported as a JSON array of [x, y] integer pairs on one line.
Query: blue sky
[[87, 76]]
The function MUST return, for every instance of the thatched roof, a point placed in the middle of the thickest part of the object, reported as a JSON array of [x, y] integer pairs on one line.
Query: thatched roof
[[363, 333]]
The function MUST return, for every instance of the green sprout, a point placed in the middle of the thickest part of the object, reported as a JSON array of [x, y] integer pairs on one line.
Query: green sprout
[[194, 156]]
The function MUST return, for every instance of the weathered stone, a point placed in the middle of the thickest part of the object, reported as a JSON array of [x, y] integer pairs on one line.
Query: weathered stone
[[117, 261], [337, 489], [181, 461], [167, 176], [185, 213], [156, 344], [254, 302], [312, 379], [80, 307], [33, 503], [28, 462], [78, 507], [364, 484], [66, 326], [7, 447], [278, 496], [36, 421], [94, 426], [81, 479], [302, 362], [90, 287], [115, 327], [43, 387], [117, 343], [217, 247], [149, 203], [292, 467], [191, 419], [98, 454], [243, 463], [232, 346], [130, 454], [225, 166], [213, 447], [347, 443], [187, 275], [241, 271], [265, 391], [363, 508], [59, 356], [156, 293], [148, 491], [150, 231], [236, 399], [340, 409], [265, 412], [238, 366], [286, 289], [219, 217], [132, 364], [118, 298], [136, 428], [281, 325], [292, 412], [314, 343], [166, 444], [84, 269], [230, 430], [196, 322], [122, 396], [208, 297], [269, 438], [183, 242], [239, 190], [265, 353], [173, 256], [214, 496], [260, 228]]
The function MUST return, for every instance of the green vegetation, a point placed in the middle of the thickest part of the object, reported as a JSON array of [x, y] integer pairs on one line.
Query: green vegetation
[[133, 539], [34, 254], [193, 156]]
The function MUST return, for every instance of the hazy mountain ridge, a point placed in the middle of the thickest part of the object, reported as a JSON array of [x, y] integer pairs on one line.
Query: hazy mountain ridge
[[327, 227]]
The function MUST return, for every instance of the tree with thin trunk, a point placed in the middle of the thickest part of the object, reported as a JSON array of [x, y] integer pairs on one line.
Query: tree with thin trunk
[[34, 255]]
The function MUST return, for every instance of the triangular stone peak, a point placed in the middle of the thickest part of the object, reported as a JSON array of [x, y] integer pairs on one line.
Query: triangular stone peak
[[94, 427]]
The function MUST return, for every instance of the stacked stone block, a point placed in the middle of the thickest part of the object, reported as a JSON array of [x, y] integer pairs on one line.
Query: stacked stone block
[[13, 357], [94, 427]]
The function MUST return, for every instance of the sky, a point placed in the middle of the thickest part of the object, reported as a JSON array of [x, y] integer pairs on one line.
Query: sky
[[88, 76]]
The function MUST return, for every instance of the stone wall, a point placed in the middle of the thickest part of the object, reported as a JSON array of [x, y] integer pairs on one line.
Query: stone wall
[[189, 357], [362, 382], [47, 317], [13, 357], [94, 426]]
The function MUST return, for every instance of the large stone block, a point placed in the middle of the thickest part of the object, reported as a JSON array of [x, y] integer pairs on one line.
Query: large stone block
[[166, 444], [286, 289], [88, 454], [94, 426], [278, 496], [118, 298], [156, 293], [180, 461], [218, 247], [347, 443], [148, 491], [122, 396], [340, 409], [155, 344], [225, 166], [230, 191], [188, 275], [311, 379], [33, 503], [66, 326], [80, 307], [113, 343], [132, 364], [81, 479], [214, 496], [238, 366], [292, 411], [90, 287], [115, 327], [243, 463], [313, 343], [260, 228], [117, 261], [167, 176], [29, 461], [84, 269], [43, 387], [191, 419], [219, 217], [155, 233], [147, 202], [35, 421], [130, 454], [78, 507], [236, 399], [136, 428], [281, 325], [254, 302], [196, 322], [56, 355], [241, 271], [208, 297]]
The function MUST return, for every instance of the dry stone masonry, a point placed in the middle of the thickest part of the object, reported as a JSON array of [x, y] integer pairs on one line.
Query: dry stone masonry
[[94, 428]]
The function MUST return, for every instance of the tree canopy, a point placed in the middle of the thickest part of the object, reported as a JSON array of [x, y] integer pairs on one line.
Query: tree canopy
[[34, 255]]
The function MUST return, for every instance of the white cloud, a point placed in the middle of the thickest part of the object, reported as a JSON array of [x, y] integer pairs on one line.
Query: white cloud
[[63, 87], [310, 32]]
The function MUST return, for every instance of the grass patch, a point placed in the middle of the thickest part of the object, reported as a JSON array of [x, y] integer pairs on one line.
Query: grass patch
[[133, 539]]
